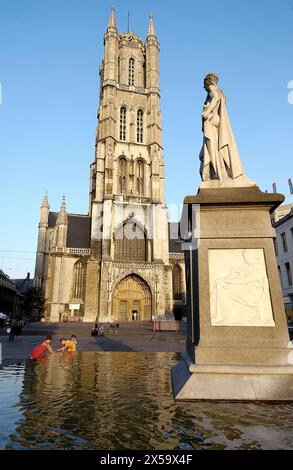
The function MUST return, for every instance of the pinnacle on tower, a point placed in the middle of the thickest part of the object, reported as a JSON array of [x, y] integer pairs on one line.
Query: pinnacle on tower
[[112, 22], [151, 31], [63, 203], [45, 202], [62, 215], [44, 212]]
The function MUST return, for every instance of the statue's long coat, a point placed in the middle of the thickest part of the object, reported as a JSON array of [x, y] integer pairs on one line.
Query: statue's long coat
[[226, 145]]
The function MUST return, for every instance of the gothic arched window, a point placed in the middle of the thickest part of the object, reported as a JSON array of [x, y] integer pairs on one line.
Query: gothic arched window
[[122, 169], [79, 281], [140, 177], [140, 126], [123, 123], [130, 242], [177, 294], [131, 72]]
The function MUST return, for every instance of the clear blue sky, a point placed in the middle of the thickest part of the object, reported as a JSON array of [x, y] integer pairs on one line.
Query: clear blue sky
[[50, 51]]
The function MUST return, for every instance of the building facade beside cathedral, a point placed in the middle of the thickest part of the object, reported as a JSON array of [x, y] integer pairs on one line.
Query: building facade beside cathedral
[[123, 257]]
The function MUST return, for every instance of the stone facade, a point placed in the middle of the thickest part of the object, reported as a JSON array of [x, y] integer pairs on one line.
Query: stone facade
[[284, 251], [116, 260], [11, 298]]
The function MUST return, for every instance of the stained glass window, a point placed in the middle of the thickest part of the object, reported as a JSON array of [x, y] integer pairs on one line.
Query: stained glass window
[[122, 175], [130, 243], [140, 126], [123, 123], [131, 72], [177, 294], [79, 280], [140, 178]]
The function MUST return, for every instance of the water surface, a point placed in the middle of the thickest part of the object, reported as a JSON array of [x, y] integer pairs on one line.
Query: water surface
[[124, 401]]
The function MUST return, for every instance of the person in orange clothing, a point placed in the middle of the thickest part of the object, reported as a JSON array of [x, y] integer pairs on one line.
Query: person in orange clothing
[[74, 341], [68, 345]]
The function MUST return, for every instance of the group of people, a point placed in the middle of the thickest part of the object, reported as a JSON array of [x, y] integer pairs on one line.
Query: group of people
[[98, 329], [66, 345]]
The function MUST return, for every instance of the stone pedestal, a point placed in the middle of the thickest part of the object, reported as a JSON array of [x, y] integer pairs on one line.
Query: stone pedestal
[[238, 342]]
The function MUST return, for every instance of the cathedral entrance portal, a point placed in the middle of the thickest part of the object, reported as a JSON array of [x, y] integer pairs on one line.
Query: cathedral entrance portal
[[132, 294]]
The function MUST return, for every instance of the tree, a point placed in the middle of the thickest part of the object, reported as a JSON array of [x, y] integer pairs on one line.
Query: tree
[[34, 303]]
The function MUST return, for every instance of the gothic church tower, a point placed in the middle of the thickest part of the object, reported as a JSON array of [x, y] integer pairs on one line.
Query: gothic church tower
[[117, 260], [129, 265]]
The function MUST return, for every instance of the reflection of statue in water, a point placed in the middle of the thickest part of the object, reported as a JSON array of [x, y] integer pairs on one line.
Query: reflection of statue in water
[[219, 155], [242, 297]]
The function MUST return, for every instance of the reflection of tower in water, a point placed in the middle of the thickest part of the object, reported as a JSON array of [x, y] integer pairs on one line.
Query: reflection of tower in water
[[95, 400], [52, 389]]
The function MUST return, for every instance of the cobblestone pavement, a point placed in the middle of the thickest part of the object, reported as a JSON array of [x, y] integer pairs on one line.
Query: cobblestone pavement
[[137, 337]]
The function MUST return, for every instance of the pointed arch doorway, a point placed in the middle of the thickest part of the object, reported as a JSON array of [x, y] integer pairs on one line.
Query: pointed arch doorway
[[132, 294]]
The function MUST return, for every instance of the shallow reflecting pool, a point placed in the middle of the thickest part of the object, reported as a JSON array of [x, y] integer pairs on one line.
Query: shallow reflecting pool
[[124, 401]]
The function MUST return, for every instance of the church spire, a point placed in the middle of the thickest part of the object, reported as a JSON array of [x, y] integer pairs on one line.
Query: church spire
[[112, 22], [44, 213], [62, 215], [151, 31], [45, 202]]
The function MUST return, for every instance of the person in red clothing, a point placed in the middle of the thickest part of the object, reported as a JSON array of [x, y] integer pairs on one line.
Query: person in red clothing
[[39, 350]]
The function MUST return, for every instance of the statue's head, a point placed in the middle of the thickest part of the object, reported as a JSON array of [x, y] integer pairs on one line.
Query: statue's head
[[253, 257], [210, 80]]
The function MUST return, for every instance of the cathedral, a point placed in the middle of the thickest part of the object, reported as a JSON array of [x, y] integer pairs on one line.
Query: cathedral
[[123, 257]]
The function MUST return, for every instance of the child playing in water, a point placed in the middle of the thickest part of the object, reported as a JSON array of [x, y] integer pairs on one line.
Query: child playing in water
[[74, 341], [39, 350], [67, 345]]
